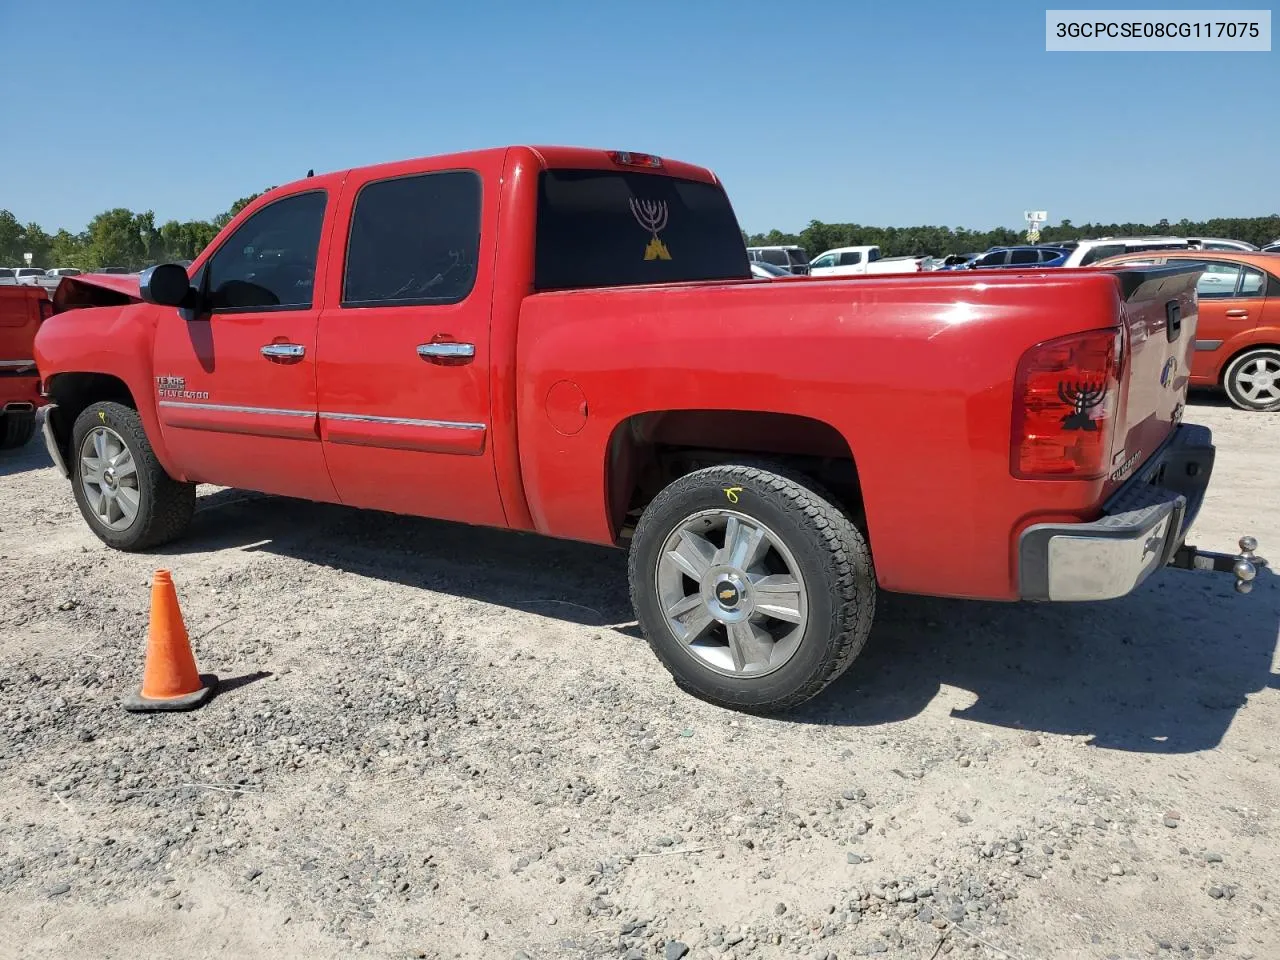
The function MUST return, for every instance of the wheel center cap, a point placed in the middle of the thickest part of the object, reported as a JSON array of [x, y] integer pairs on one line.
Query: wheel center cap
[[728, 594], [109, 477]]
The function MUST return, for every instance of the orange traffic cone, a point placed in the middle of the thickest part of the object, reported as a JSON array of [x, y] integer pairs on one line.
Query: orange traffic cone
[[170, 680]]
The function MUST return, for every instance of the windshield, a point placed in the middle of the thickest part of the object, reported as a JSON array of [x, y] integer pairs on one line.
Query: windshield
[[605, 228]]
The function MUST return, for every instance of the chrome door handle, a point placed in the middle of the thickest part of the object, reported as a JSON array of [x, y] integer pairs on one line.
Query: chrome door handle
[[284, 351], [447, 352]]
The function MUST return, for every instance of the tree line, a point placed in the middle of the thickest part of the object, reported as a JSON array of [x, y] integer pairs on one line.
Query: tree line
[[114, 238], [123, 238], [941, 241]]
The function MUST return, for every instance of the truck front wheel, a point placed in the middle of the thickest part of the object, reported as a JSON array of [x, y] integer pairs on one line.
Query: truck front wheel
[[753, 588], [123, 492]]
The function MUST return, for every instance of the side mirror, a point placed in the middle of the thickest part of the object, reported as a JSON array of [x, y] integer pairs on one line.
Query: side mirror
[[165, 284]]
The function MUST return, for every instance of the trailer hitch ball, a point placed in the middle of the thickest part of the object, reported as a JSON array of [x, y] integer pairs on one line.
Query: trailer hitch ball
[[1246, 565]]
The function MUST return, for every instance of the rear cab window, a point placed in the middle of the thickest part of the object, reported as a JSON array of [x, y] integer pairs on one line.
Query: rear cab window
[[606, 228]]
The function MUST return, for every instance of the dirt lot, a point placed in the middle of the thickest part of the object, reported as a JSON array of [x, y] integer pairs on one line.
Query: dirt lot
[[441, 742]]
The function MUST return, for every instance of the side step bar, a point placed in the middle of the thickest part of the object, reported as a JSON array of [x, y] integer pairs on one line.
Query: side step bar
[[1244, 565]]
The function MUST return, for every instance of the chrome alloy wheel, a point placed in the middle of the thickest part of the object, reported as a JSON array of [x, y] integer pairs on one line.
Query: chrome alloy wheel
[[732, 593], [109, 478], [1259, 380]]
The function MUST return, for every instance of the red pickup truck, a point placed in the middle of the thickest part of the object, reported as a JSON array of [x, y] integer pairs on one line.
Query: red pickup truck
[[569, 341], [22, 309]]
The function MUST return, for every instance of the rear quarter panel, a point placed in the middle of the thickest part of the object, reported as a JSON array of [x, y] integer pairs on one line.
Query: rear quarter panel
[[914, 371]]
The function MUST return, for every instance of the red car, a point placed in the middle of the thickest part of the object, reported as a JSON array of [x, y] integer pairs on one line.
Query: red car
[[569, 342], [22, 309], [1237, 346]]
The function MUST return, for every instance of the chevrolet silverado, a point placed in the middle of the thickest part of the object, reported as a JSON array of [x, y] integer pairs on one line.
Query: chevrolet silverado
[[570, 342]]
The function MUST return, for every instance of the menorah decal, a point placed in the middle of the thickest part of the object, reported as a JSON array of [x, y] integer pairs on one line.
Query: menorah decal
[[652, 215], [1083, 397]]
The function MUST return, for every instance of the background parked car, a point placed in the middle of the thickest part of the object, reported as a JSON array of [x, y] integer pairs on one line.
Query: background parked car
[[855, 261], [27, 276], [1020, 257], [7, 279], [955, 261], [768, 271], [1237, 343], [1220, 243], [1087, 252], [53, 277], [791, 258], [1273, 247]]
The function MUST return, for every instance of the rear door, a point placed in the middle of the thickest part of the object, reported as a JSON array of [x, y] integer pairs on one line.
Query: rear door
[[403, 376]]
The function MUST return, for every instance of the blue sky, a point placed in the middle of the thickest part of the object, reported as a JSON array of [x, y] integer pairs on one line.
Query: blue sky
[[886, 113]]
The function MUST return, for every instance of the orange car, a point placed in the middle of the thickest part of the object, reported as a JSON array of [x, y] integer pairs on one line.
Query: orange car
[[1238, 334]]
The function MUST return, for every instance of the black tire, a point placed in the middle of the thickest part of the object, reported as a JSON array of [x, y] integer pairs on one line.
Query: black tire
[[1236, 369], [16, 429], [165, 505], [832, 557]]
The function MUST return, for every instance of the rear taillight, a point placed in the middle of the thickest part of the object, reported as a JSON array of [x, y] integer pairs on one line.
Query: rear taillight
[[1065, 396]]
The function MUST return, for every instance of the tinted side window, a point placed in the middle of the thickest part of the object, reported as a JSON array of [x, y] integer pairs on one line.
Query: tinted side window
[[994, 259], [850, 259], [1095, 254], [270, 261], [1025, 256], [414, 240], [777, 257]]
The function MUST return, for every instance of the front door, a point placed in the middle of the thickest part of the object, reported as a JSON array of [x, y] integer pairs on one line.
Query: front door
[[236, 380], [1231, 297], [403, 375]]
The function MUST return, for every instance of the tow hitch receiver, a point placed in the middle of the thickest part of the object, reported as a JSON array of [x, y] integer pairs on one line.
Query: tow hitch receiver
[[1244, 565]]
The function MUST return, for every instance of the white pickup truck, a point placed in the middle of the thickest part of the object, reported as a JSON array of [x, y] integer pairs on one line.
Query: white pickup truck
[[852, 261]]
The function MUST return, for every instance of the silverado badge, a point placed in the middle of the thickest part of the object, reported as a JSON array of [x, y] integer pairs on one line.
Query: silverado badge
[[652, 215], [175, 388]]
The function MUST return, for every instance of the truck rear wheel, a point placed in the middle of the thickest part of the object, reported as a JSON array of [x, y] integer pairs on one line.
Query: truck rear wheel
[[17, 427], [753, 588], [1252, 380], [123, 492]]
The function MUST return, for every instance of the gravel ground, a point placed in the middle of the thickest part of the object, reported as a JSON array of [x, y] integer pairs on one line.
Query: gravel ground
[[440, 742]]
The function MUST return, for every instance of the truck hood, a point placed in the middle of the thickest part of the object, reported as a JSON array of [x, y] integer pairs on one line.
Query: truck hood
[[96, 290]]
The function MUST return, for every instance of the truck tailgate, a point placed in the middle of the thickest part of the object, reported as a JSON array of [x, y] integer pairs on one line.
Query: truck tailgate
[[1159, 313], [22, 309]]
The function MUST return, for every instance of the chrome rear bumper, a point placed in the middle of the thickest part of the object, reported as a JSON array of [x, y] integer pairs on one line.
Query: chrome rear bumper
[[1143, 527]]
